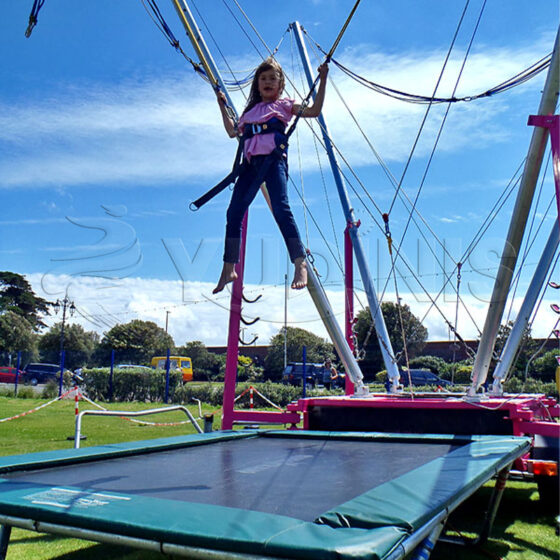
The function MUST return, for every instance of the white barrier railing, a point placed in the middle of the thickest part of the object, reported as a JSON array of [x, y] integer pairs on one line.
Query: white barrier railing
[[124, 413]]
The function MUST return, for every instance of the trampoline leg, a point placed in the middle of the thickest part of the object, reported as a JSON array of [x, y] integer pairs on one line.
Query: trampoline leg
[[488, 522], [424, 550], [495, 500], [5, 531], [208, 421]]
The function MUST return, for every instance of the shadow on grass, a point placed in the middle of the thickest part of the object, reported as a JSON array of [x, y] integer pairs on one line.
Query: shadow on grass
[[516, 507], [31, 537], [110, 552], [93, 552]]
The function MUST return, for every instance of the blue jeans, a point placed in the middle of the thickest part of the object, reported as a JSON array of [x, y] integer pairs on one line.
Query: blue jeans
[[244, 192]]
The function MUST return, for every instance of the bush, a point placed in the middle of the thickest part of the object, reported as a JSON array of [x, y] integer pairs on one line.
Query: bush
[[51, 390], [516, 385], [436, 365], [129, 385], [149, 386], [280, 395], [544, 368], [460, 374], [381, 377], [24, 392]]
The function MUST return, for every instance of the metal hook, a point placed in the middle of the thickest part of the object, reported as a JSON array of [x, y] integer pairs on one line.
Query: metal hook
[[193, 207], [251, 300], [241, 341], [245, 322]]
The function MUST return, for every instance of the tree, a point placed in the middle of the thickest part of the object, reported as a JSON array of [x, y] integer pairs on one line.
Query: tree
[[17, 296], [415, 335], [16, 335], [435, 364], [527, 347], [317, 350], [205, 364], [135, 342], [79, 345], [544, 367]]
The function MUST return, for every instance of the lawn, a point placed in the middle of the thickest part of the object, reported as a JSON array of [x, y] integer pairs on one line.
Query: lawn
[[522, 531]]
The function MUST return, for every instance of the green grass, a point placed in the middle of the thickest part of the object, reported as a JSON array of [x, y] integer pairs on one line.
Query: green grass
[[522, 531]]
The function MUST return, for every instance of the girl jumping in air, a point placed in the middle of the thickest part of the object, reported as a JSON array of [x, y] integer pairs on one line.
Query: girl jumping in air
[[262, 127]]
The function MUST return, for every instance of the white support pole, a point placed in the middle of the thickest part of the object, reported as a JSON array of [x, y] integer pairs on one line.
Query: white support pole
[[374, 305], [522, 320], [516, 229], [335, 332], [199, 45]]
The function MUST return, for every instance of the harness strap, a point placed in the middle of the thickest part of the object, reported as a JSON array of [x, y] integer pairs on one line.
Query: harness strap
[[225, 182], [273, 125]]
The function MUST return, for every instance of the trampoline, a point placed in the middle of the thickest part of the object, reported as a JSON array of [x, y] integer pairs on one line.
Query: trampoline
[[253, 493]]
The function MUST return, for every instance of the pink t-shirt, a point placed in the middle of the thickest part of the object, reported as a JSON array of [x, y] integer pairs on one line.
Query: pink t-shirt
[[262, 144]]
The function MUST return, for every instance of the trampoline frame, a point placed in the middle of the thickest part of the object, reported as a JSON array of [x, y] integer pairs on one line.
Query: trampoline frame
[[363, 527]]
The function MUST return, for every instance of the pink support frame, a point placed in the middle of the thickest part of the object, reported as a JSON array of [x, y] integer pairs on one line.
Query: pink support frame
[[552, 122], [231, 416], [349, 297]]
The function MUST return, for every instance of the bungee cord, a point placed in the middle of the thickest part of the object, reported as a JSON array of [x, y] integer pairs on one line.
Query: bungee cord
[[530, 238], [491, 216], [33, 16], [403, 195], [243, 29], [508, 84], [366, 207], [156, 16], [518, 79], [425, 118], [399, 186], [393, 180], [438, 136]]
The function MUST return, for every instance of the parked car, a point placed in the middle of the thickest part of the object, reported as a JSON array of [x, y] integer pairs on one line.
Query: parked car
[[421, 377], [315, 374], [8, 374], [41, 373]]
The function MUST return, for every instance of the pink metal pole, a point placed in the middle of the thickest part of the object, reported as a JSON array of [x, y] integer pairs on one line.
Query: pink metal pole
[[230, 378], [349, 297], [552, 122]]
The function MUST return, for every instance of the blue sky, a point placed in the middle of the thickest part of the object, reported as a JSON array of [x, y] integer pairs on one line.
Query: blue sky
[[106, 135]]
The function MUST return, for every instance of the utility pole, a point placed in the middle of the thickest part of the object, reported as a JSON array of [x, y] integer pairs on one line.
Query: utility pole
[[65, 304], [167, 320]]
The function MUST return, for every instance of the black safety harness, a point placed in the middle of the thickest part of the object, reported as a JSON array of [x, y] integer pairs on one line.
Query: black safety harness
[[272, 126]]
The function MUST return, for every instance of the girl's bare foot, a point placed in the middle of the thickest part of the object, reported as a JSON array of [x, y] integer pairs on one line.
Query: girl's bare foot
[[228, 275], [300, 274]]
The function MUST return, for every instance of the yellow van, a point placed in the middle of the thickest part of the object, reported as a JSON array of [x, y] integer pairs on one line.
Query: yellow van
[[175, 363]]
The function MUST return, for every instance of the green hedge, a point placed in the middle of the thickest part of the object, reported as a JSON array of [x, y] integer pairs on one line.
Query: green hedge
[[516, 385], [130, 384], [149, 386], [280, 395]]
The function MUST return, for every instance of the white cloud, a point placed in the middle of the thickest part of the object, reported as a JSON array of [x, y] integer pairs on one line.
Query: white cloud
[[168, 130], [195, 314]]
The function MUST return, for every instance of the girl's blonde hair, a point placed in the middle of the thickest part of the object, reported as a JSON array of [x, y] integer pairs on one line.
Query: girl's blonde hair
[[254, 95]]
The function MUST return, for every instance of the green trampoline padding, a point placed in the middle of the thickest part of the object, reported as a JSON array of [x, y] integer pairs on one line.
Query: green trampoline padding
[[258, 472]]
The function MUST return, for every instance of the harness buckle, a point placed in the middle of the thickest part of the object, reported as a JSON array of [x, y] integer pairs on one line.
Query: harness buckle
[[256, 128]]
